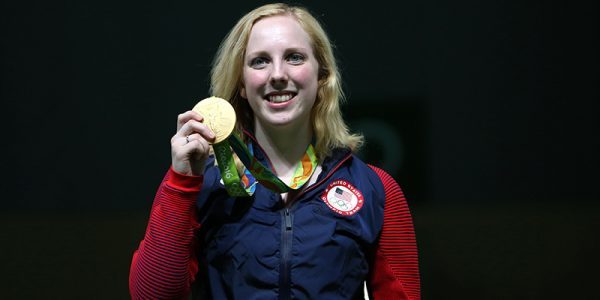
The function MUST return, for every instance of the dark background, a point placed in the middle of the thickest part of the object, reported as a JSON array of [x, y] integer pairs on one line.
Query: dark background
[[484, 111]]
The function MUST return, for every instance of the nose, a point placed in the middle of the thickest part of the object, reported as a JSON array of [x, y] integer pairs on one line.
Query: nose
[[279, 76]]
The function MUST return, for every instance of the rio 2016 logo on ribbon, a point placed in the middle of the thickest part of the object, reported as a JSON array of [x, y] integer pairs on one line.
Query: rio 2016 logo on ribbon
[[343, 198]]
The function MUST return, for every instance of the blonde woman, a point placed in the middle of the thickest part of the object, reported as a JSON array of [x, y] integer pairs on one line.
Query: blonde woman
[[335, 225]]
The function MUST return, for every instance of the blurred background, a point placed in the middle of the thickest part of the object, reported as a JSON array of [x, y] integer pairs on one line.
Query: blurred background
[[484, 111]]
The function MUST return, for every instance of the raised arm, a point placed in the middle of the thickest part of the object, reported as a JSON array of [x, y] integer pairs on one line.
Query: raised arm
[[164, 265]]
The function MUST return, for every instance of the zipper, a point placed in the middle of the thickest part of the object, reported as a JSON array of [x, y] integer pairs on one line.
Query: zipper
[[287, 220], [286, 249]]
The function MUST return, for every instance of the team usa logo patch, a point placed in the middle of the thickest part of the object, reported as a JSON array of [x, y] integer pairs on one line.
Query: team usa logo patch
[[343, 198]]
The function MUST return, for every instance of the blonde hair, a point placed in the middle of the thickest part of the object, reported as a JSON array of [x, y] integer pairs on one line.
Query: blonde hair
[[329, 128]]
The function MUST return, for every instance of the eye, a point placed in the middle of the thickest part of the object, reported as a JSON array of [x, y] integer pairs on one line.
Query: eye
[[258, 62], [295, 58]]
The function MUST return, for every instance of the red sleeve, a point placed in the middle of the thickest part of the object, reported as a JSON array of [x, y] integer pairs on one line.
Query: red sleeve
[[164, 265], [395, 266]]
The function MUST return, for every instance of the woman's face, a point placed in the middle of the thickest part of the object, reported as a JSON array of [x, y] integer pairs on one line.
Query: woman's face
[[280, 76]]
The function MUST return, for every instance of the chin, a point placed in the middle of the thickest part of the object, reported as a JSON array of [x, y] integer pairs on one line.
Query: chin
[[281, 121]]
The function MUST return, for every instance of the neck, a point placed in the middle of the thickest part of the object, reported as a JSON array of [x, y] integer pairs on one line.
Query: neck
[[284, 145]]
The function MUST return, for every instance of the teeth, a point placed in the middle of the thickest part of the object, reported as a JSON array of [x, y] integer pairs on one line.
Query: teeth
[[280, 98]]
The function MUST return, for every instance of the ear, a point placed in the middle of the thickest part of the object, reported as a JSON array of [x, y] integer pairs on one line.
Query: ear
[[243, 93]]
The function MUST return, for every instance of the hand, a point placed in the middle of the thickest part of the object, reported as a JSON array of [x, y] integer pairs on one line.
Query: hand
[[190, 145]]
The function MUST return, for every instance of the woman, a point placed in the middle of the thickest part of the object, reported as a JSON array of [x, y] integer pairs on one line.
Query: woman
[[342, 224]]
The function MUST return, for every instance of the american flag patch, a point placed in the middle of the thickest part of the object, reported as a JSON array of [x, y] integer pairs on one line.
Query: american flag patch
[[341, 194], [343, 198]]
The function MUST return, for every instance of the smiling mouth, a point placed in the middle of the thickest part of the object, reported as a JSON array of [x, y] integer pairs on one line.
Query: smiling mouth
[[279, 98]]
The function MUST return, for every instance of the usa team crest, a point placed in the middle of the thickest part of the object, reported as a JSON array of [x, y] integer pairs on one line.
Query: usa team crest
[[343, 198]]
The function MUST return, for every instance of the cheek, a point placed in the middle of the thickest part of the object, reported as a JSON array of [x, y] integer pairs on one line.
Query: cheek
[[254, 80], [306, 76]]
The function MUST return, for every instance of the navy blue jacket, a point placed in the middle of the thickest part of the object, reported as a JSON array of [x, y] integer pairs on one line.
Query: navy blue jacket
[[259, 247]]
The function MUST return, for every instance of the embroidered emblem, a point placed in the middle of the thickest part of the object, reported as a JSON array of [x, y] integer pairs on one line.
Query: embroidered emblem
[[343, 198]]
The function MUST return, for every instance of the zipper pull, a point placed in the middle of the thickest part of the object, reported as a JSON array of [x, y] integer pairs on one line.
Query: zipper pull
[[288, 219]]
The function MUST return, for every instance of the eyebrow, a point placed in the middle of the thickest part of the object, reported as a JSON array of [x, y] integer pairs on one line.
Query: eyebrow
[[287, 50]]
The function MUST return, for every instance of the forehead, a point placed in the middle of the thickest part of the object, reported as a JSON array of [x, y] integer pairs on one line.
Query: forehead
[[281, 30]]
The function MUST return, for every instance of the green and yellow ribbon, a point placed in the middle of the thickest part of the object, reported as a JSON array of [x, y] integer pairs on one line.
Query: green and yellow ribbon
[[245, 185]]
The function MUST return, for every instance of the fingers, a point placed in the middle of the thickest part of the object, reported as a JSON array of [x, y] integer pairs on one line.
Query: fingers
[[196, 149], [192, 127], [190, 158], [186, 116], [195, 127], [193, 137], [179, 140], [190, 144]]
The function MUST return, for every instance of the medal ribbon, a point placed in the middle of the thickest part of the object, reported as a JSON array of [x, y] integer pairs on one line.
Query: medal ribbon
[[255, 170]]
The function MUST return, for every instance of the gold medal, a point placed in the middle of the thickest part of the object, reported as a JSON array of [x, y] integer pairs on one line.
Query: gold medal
[[218, 115]]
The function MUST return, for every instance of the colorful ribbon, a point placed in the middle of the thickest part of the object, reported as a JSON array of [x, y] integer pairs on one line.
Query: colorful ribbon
[[256, 171]]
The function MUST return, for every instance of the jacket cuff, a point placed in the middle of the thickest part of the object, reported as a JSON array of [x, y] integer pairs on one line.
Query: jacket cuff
[[184, 183]]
